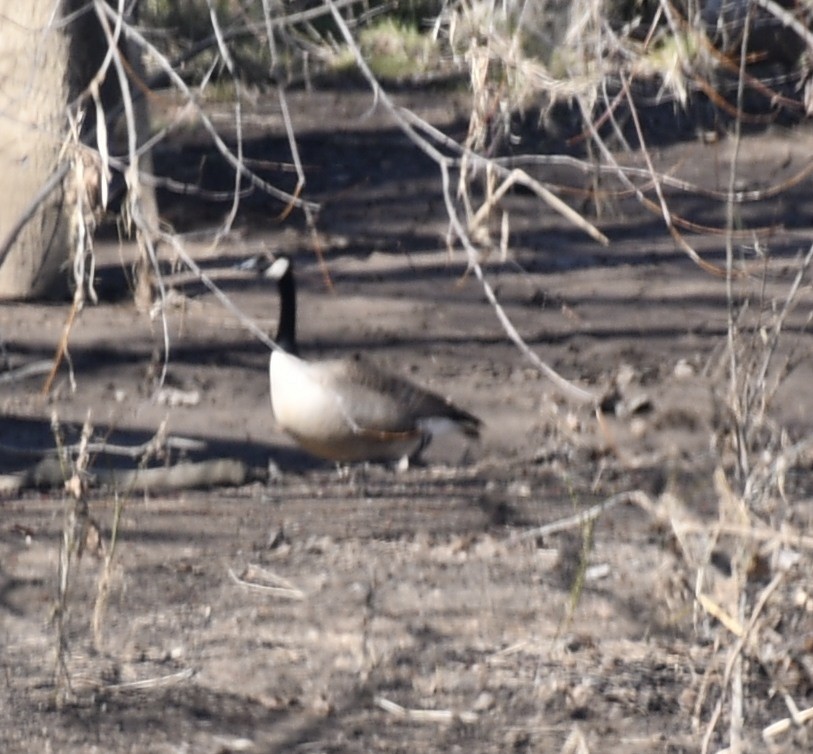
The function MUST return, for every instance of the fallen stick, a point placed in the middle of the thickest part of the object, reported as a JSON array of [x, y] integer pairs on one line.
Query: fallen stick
[[105, 448], [34, 369], [48, 474]]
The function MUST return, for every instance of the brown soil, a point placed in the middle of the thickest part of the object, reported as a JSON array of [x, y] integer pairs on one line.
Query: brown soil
[[417, 611]]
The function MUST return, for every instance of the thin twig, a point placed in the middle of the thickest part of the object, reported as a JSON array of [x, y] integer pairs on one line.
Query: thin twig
[[286, 590], [444, 163], [425, 715], [134, 34], [786, 723], [580, 519], [51, 184], [152, 683], [788, 19]]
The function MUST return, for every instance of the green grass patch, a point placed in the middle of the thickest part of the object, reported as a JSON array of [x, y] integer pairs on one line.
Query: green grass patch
[[394, 50]]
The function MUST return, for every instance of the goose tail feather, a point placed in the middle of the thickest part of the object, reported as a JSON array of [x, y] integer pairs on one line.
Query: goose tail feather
[[465, 422], [469, 424]]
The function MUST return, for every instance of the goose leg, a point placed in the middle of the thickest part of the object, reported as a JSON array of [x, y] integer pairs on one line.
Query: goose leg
[[414, 458]]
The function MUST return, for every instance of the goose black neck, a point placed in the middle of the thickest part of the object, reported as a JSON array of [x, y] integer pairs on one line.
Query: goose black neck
[[286, 329]]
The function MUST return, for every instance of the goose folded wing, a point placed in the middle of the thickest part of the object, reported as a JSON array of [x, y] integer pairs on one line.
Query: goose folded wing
[[373, 399]]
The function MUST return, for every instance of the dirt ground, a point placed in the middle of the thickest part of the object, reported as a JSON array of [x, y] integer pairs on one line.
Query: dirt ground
[[418, 611]]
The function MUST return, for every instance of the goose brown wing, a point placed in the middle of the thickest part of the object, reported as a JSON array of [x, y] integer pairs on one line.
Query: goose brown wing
[[377, 400]]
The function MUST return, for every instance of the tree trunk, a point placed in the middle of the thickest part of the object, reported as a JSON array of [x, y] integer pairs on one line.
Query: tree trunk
[[44, 66], [33, 98]]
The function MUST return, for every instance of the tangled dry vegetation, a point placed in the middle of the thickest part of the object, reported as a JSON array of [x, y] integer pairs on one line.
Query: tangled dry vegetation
[[747, 567]]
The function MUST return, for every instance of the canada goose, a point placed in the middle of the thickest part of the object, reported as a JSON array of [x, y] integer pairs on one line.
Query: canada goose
[[348, 409]]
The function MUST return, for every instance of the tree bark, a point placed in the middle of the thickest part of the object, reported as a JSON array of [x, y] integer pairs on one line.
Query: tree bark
[[45, 64], [33, 98]]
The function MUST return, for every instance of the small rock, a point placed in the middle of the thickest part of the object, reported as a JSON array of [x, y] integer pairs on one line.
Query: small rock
[[625, 376], [484, 701], [683, 370], [597, 572], [638, 427], [519, 489], [233, 745]]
